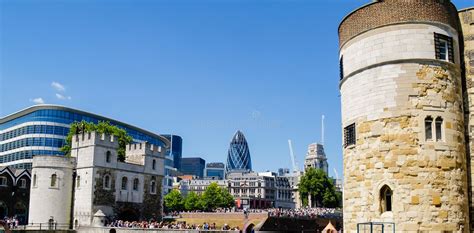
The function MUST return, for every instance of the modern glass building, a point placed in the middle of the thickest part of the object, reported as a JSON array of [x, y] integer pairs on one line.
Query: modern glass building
[[238, 157], [42, 130], [193, 166], [175, 150], [215, 171]]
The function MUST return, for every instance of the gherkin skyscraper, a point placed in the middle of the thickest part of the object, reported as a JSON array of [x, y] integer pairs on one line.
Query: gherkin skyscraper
[[238, 157]]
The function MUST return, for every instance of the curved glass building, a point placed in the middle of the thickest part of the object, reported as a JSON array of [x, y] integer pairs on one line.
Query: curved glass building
[[42, 130], [238, 157]]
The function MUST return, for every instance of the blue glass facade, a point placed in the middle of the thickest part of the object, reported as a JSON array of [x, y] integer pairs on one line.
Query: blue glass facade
[[238, 156], [42, 129], [193, 166], [215, 171], [175, 150]]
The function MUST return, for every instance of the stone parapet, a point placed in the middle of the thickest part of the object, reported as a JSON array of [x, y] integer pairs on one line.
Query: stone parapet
[[387, 12]]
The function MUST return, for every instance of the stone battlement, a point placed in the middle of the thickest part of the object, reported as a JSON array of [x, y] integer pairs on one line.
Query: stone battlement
[[143, 148], [94, 138]]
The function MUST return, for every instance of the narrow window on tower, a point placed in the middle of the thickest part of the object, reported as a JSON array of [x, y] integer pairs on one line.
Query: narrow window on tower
[[107, 156], [385, 199], [349, 135], [106, 182], [444, 47], [53, 180], [428, 128], [439, 128], [124, 183], [135, 184], [341, 68]]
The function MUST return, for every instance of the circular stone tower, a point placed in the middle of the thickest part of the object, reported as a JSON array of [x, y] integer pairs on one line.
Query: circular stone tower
[[51, 190], [402, 116]]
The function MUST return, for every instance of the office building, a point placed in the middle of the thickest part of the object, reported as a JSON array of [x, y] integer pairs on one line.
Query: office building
[[193, 166], [215, 171], [238, 156], [42, 129]]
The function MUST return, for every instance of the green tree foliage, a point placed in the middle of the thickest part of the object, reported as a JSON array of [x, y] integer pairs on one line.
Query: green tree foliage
[[101, 127], [316, 184], [213, 197], [174, 201], [216, 197], [192, 202]]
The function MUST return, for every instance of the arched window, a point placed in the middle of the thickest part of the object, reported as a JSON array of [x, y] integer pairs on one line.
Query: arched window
[[34, 180], [78, 181], [107, 156], [428, 128], [153, 186], [385, 199], [54, 178], [153, 166], [124, 183], [106, 182], [135, 184], [3, 181], [438, 128], [22, 183]]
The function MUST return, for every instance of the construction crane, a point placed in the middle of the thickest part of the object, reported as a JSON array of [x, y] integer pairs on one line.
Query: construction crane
[[337, 175], [293, 162]]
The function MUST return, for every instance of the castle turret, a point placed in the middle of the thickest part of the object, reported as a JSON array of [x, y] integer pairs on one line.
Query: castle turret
[[402, 116], [467, 23], [51, 190]]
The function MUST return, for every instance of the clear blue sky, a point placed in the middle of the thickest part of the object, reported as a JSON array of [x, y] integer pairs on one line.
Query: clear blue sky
[[199, 69]]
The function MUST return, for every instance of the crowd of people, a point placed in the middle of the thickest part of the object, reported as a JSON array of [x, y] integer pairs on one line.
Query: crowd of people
[[306, 212], [12, 222], [165, 225]]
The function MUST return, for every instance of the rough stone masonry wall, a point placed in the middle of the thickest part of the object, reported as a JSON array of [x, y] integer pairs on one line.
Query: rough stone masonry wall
[[388, 103], [467, 23]]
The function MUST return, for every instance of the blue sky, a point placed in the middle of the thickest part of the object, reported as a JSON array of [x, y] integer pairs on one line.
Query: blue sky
[[199, 69]]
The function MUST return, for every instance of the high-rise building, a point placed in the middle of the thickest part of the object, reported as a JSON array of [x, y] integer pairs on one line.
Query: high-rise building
[[42, 130], [283, 171], [316, 157], [215, 171], [238, 157], [175, 150], [193, 166], [173, 161]]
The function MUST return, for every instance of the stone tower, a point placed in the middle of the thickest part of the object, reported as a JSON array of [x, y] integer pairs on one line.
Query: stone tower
[[402, 116], [51, 186], [467, 22], [316, 158]]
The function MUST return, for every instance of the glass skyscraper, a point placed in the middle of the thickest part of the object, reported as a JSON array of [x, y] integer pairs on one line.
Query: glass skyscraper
[[176, 149], [193, 166], [42, 130], [215, 171], [238, 157]]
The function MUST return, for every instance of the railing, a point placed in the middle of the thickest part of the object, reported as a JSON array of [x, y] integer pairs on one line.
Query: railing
[[44, 226]]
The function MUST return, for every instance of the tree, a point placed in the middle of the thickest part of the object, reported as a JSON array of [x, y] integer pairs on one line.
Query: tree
[[227, 199], [192, 202], [174, 201], [316, 184], [101, 127], [216, 197]]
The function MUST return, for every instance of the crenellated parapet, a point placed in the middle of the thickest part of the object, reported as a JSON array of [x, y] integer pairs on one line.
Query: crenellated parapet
[[94, 138]]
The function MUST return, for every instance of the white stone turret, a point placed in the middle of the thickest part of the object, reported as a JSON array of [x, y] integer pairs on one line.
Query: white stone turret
[[51, 188]]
